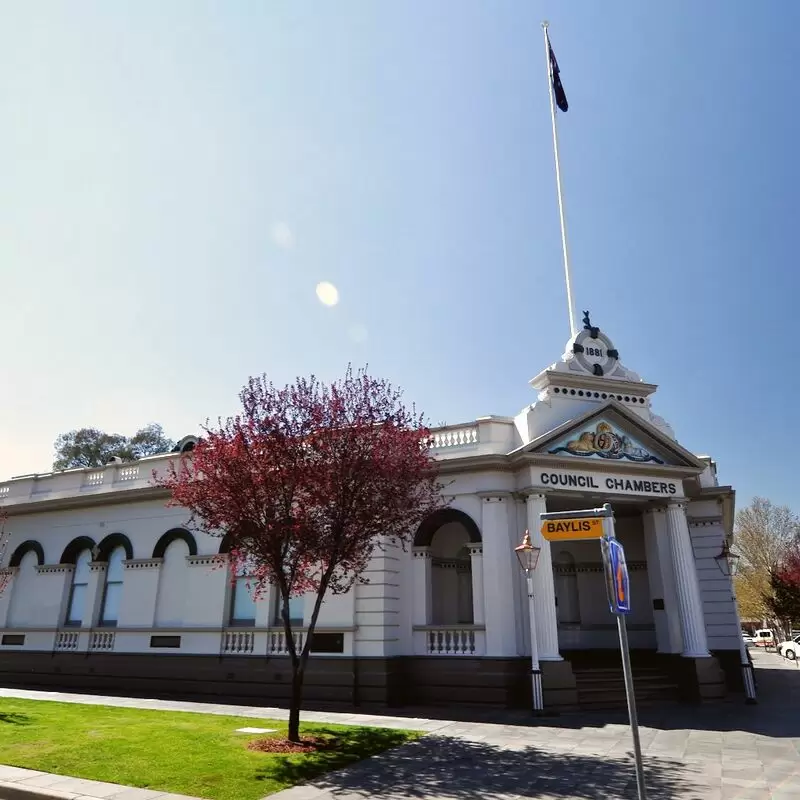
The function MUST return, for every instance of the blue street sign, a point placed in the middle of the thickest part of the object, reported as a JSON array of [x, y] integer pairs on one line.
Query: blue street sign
[[618, 582]]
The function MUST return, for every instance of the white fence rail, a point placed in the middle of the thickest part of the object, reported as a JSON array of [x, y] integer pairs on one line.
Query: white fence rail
[[449, 640]]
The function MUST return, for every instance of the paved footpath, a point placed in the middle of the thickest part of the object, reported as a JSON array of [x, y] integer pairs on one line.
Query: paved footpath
[[724, 751]]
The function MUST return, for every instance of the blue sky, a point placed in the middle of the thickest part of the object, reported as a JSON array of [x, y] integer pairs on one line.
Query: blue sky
[[178, 177]]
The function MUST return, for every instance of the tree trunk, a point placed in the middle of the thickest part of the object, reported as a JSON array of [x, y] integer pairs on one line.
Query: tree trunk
[[294, 704]]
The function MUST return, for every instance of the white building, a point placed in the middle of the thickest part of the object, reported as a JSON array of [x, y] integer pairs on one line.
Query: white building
[[108, 589]]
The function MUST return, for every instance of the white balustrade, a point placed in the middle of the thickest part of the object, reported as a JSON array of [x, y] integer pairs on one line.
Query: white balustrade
[[4, 490], [128, 473], [93, 479], [451, 641], [102, 640], [237, 642], [276, 642], [456, 437], [67, 640]]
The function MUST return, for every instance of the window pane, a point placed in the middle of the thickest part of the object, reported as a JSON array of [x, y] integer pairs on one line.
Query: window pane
[[81, 574], [114, 569], [296, 609], [111, 602], [244, 606], [77, 599]]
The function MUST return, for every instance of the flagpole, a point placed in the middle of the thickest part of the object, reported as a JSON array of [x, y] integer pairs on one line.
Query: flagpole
[[572, 327]]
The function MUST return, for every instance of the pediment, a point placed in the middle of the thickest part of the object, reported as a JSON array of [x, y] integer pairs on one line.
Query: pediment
[[613, 435]]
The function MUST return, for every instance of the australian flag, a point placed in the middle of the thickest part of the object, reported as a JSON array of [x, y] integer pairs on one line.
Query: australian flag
[[558, 89]]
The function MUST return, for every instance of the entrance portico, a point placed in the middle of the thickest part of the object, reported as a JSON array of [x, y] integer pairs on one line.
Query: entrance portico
[[592, 438]]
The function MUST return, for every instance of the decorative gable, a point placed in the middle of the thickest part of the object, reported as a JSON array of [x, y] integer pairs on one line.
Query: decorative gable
[[601, 439], [612, 433]]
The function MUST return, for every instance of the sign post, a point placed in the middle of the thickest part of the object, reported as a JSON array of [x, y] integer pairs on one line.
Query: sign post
[[599, 523]]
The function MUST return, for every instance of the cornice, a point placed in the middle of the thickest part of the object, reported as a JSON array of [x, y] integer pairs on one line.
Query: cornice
[[115, 497], [547, 461]]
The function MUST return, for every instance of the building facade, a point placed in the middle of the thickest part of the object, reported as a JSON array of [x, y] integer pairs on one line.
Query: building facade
[[108, 589]]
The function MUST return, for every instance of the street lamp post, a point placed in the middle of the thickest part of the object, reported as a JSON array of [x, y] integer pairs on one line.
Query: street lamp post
[[728, 563], [528, 556]]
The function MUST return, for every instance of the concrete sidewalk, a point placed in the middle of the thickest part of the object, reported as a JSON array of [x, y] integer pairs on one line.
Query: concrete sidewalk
[[28, 784], [710, 752]]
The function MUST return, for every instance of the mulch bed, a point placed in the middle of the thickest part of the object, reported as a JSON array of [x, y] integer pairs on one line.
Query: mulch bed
[[307, 744]]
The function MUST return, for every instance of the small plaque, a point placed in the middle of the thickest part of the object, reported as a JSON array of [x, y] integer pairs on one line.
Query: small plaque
[[256, 730]]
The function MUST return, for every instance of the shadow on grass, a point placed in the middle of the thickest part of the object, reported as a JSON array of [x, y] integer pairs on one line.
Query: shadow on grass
[[446, 767], [13, 718]]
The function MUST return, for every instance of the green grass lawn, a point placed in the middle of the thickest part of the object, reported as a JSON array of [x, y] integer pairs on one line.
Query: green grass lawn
[[181, 752]]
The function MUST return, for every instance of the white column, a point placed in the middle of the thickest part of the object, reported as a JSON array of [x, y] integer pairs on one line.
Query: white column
[[687, 587], [94, 593], [499, 607], [476, 564], [423, 586], [669, 638], [544, 590]]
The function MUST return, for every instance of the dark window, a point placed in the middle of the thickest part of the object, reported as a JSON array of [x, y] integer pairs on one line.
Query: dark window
[[13, 638], [327, 643], [658, 604], [165, 641]]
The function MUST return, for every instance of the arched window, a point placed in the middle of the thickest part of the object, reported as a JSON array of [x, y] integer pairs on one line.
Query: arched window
[[112, 593], [243, 604], [78, 589]]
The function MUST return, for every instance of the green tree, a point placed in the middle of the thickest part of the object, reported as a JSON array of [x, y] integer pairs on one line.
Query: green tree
[[91, 447], [764, 535], [785, 584]]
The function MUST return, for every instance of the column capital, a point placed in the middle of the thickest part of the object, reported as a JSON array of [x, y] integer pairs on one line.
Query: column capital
[[475, 548], [494, 497], [533, 491], [677, 505], [655, 510], [421, 552], [533, 494]]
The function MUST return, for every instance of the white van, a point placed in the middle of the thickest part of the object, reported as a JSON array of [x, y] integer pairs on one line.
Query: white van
[[764, 638]]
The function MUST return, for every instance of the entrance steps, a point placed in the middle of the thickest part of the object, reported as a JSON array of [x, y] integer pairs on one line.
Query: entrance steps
[[601, 685]]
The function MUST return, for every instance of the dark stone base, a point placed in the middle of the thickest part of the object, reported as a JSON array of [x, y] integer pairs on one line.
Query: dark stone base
[[558, 686], [330, 682], [698, 679], [442, 680], [731, 663], [337, 683]]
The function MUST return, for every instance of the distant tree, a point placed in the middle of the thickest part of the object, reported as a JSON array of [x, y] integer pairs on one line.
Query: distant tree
[[149, 441], [308, 482], [752, 591], [765, 534], [90, 447]]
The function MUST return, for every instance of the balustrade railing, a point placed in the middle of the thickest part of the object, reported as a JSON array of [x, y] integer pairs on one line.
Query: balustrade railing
[[237, 642], [101, 640], [67, 640], [276, 642], [93, 479], [450, 640], [128, 473], [455, 437]]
